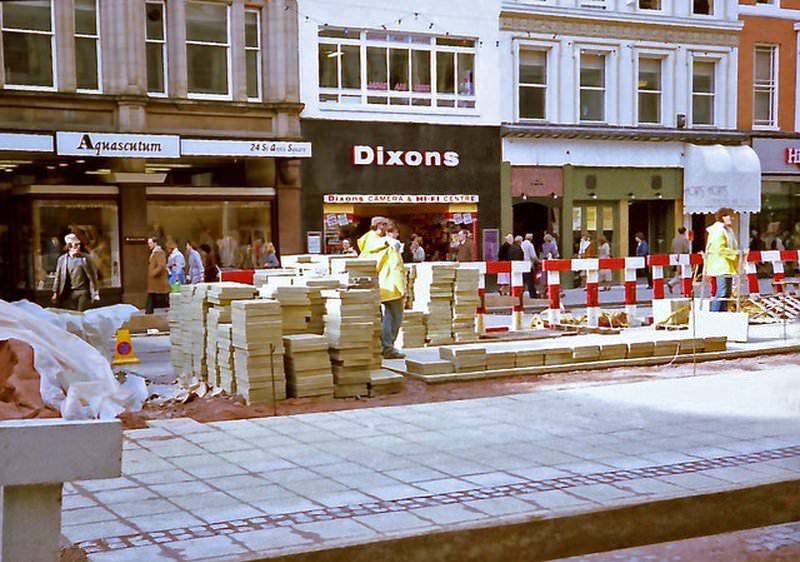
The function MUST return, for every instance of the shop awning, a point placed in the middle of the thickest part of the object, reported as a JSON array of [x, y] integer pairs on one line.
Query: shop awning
[[721, 176]]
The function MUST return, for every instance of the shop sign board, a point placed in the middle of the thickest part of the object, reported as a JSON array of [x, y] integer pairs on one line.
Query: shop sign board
[[245, 148], [781, 156], [379, 156], [117, 145], [398, 198], [26, 143]]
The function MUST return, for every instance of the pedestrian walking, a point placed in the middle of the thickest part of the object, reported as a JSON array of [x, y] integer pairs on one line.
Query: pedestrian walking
[[722, 257], [176, 264], [75, 285], [531, 259], [196, 268], [586, 249], [464, 253], [503, 254], [549, 248], [417, 250], [269, 259], [603, 252], [157, 277], [643, 250], [347, 248], [210, 267], [680, 245]]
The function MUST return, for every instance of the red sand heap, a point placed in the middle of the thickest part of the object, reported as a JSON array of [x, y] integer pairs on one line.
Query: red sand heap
[[19, 384]]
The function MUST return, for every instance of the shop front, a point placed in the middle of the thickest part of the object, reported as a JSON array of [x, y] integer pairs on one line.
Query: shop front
[[114, 191], [777, 226], [432, 180]]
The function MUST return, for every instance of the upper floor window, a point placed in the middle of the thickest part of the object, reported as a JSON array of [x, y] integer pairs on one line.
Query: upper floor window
[[765, 100], [252, 50], [703, 92], [207, 50], [703, 7], [532, 84], [596, 4], [28, 44], [593, 88], [87, 45], [765, 2], [649, 90], [156, 47], [649, 4], [385, 68]]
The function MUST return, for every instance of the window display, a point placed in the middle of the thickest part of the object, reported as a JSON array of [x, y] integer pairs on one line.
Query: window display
[[235, 232], [95, 223]]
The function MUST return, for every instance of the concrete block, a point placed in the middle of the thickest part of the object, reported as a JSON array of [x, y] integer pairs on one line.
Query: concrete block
[[734, 325], [55, 451], [586, 353], [715, 344], [666, 348], [558, 356], [529, 358], [692, 345], [613, 351], [639, 350], [663, 308], [429, 367]]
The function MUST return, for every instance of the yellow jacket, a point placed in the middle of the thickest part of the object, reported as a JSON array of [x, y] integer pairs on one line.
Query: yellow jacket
[[391, 272], [721, 251]]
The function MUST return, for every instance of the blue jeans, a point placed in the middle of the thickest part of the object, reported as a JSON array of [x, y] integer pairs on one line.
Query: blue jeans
[[392, 320], [724, 290]]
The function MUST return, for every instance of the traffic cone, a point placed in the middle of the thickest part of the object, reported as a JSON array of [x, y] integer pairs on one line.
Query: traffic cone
[[123, 349]]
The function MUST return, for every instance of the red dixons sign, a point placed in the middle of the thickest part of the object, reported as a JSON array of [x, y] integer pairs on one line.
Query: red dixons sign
[[379, 156]]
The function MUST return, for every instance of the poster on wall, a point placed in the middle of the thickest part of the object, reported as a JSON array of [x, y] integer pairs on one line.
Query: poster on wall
[[314, 241], [467, 218], [577, 218], [457, 218], [491, 243]]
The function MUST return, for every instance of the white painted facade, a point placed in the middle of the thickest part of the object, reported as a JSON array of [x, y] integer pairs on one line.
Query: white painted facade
[[424, 22], [622, 56]]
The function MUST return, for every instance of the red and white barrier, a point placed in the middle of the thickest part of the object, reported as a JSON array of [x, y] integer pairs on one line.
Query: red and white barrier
[[773, 257], [515, 270]]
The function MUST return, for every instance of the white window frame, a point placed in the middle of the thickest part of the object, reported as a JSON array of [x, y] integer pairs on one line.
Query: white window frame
[[606, 52], [257, 49], [552, 73], [98, 51], [53, 53], [662, 59], [716, 112], [227, 45], [594, 4], [359, 39], [164, 52], [770, 87]]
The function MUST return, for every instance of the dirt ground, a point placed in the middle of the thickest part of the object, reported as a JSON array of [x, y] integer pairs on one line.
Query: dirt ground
[[223, 407]]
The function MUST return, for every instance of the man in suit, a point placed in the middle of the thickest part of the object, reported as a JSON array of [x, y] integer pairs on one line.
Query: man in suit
[[157, 284], [75, 284]]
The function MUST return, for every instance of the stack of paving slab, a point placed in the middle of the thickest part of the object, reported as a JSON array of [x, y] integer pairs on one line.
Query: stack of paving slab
[[295, 309], [217, 314], [179, 339], [412, 332], [356, 270], [196, 320], [308, 366], [225, 367], [262, 276], [500, 359], [316, 285], [464, 359], [349, 322], [411, 276], [383, 382], [433, 294], [269, 289], [465, 304], [258, 350]]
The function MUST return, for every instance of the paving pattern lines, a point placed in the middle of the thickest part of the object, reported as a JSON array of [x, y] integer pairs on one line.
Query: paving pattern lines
[[525, 489]]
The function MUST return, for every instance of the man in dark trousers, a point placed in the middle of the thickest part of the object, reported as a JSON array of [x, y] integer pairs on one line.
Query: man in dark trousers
[[642, 251], [75, 284]]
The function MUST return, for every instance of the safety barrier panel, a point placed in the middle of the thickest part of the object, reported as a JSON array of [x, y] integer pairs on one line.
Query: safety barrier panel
[[683, 262], [515, 271], [774, 257]]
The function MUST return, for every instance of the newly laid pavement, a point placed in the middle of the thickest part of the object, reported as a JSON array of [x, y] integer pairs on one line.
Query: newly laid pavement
[[549, 474]]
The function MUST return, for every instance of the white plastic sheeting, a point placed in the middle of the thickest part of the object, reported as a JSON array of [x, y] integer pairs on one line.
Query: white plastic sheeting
[[721, 176], [59, 355]]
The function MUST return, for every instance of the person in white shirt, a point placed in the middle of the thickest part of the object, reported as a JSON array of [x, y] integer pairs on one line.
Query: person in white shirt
[[531, 259], [417, 251]]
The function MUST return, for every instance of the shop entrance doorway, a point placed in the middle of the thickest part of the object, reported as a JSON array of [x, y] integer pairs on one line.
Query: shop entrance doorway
[[534, 218], [653, 219]]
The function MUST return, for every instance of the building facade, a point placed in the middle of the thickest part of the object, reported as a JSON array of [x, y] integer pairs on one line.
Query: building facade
[[607, 103], [401, 104], [123, 119], [769, 76]]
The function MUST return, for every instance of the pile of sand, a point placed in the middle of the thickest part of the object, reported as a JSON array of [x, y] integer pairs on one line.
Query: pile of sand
[[19, 384]]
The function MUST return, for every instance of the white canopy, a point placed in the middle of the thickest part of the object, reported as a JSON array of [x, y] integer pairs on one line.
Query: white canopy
[[721, 176]]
